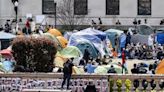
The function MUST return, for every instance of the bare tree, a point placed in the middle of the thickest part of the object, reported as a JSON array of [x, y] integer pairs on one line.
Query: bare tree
[[65, 15]]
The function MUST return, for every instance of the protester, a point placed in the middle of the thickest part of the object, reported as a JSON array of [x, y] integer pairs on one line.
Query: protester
[[134, 70], [67, 70], [86, 54]]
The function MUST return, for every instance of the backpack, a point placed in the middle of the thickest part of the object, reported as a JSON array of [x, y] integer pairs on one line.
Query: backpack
[[66, 68]]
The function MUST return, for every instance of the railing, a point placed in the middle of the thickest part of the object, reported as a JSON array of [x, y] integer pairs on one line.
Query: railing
[[20, 81]]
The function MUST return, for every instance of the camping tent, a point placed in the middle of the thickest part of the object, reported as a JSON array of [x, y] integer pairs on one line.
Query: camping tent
[[119, 32], [160, 38], [78, 37], [6, 36], [62, 41], [5, 39], [71, 52], [145, 30], [82, 45], [55, 32], [160, 68], [112, 36], [54, 39], [101, 35]]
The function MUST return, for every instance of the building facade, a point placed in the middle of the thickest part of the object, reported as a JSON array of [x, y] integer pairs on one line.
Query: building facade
[[110, 11]]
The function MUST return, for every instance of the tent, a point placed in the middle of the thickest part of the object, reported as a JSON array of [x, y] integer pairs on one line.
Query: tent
[[160, 38], [92, 49], [55, 32], [101, 35], [62, 41], [6, 36], [71, 52], [119, 32], [145, 30], [59, 61], [54, 39], [5, 39], [67, 35], [76, 38], [160, 68], [112, 36]]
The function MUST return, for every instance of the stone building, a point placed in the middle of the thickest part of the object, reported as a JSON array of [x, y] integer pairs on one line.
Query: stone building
[[110, 11]]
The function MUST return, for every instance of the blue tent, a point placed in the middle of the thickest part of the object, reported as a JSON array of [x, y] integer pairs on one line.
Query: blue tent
[[82, 36], [82, 45], [94, 32], [160, 38], [6, 36], [112, 36]]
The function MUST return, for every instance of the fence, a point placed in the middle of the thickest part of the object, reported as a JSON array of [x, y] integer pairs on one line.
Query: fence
[[19, 81]]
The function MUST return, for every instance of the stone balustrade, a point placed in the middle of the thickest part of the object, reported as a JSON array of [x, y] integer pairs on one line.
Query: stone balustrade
[[52, 81]]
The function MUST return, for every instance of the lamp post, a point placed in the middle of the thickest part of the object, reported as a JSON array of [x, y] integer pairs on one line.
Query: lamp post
[[55, 11], [15, 2]]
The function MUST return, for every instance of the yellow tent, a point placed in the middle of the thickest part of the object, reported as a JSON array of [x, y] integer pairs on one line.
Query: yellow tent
[[59, 61], [77, 70], [160, 68], [55, 32], [62, 41]]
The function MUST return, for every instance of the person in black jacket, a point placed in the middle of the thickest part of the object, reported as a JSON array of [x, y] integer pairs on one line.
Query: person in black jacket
[[67, 70]]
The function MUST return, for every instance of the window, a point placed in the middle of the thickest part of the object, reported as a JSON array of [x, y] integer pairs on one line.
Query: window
[[48, 7], [112, 7], [144, 7], [80, 7]]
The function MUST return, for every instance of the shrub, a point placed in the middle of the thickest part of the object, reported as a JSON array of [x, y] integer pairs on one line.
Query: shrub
[[33, 54]]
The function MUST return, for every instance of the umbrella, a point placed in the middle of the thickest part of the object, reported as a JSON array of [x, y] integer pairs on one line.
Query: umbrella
[[6, 52], [160, 68], [62, 41], [100, 70], [55, 32], [4, 35], [70, 52]]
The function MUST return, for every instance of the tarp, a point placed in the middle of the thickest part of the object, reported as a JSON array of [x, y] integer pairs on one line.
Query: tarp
[[92, 31], [55, 32], [4, 36], [119, 32], [160, 38], [62, 41]]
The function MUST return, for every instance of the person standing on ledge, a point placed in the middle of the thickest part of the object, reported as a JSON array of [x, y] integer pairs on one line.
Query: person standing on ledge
[[67, 70]]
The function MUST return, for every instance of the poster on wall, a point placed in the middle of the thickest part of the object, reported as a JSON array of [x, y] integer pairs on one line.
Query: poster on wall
[[41, 19]]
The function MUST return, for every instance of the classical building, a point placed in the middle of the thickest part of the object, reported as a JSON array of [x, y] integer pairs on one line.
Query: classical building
[[110, 11]]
